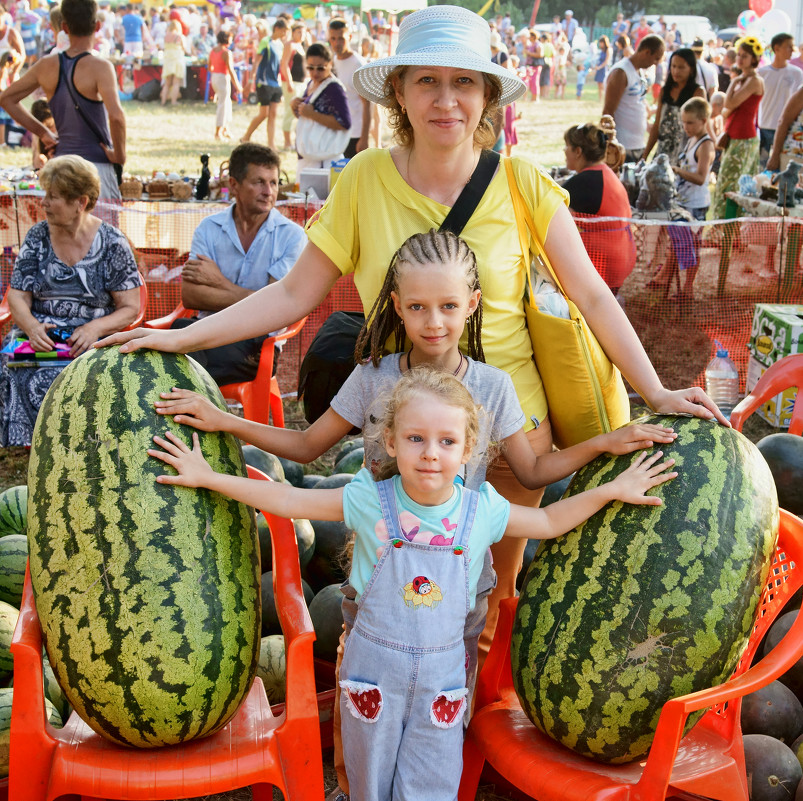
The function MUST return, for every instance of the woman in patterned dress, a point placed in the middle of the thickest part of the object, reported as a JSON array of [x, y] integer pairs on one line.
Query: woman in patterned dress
[[75, 281]]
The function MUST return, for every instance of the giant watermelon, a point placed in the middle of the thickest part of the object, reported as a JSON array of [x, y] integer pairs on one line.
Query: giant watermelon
[[148, 594], [641, 604]]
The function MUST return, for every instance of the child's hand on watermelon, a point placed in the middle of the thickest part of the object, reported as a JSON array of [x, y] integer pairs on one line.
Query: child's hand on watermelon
[[633, 438], [192, 469], [644, 474], [192, 409]]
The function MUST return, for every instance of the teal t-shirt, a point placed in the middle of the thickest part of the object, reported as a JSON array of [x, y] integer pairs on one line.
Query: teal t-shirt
[[430, 525]]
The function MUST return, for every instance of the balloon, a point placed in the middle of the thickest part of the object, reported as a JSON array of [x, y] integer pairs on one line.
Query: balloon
[[761, 7], [747, 17], [775, 21]]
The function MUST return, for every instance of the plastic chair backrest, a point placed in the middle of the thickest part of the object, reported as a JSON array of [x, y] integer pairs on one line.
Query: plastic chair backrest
[[261, 398], [785, 373]]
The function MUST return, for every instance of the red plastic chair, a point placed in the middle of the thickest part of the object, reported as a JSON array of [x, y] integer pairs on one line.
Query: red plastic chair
[[261, 398], [255, 748], [785, 373], [708, 761], [5, 311]]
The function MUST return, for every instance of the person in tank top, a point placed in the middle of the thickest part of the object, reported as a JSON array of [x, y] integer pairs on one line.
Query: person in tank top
[[98, 133]]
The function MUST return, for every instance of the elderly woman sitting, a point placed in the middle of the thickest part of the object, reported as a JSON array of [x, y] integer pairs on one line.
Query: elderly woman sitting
[[75, 281]]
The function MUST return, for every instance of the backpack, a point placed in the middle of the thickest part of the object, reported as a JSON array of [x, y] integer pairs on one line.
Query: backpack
[[329, 361]]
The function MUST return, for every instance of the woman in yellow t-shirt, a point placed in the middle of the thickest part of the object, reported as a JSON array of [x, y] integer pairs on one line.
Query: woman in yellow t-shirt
[[442, 91]]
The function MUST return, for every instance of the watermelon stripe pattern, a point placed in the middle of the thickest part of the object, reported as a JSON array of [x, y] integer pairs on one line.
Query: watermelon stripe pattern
[[148, 594], [13, 510], [641, 604], [13, 558]]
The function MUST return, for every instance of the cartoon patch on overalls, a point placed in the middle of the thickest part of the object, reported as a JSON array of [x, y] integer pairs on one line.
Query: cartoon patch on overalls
[[421, 591]]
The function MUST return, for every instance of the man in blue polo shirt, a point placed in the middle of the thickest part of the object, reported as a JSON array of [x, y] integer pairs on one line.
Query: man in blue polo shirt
[[135, 30], [238, 251]]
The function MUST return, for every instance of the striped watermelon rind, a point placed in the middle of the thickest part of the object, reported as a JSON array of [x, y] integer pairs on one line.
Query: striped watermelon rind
[[148, 594], [641, 604], [8, 622], [272, 668], [13, 510], [13, 559]]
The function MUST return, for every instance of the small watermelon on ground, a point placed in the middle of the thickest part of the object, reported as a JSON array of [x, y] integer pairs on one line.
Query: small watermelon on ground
[[305, 540], [293, 471], [335, 480], [348, 446], [264, 461], [8, 621], [797, 749], [147, 593], [13, 558], [327, 619], [640, 604], [352, 462], [14, 510], [270, 617], [311, 480], [328, 563], [773, 710], [6, 698], [265, 553], [793, 678], [54, 692], [272, 667], [773, 772], [784, 455]]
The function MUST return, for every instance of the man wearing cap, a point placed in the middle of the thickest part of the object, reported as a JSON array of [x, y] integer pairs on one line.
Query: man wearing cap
[[345, 64], [569, 25], [625, 95], [707, 75]]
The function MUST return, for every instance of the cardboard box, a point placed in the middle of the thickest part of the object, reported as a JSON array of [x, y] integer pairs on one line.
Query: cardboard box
[[777, 411], [777, 331], [315, 178]]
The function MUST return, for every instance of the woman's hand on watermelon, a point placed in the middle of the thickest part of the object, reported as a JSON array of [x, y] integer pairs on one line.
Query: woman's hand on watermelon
[[191, 467], [644, 474], [633, 438], [692, 400], [167, 341], [192, 409]]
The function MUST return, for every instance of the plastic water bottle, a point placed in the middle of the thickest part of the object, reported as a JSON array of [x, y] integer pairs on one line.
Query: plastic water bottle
[[722, 381]]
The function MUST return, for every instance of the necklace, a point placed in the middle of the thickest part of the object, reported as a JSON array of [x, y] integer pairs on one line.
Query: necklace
[[459, 364]]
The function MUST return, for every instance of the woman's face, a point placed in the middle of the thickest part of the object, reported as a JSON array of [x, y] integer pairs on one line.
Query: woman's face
[[444, 104], [574, 157], [319, 69], [680, 70], [745, 59], [60, 210]]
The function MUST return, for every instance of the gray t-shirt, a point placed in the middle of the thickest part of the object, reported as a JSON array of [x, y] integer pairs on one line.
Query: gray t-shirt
[[362, 399]]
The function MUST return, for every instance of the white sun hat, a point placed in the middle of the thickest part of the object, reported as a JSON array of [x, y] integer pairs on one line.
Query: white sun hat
[[439, 36]]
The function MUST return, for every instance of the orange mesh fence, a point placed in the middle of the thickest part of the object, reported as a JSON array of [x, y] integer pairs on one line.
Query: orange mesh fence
[[682, 285]]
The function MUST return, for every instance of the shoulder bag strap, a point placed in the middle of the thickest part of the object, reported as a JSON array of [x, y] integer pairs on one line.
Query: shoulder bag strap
[[468, 200], [525, 224]]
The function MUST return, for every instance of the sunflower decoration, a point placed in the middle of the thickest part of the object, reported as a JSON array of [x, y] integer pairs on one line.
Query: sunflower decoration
[[421, 591]]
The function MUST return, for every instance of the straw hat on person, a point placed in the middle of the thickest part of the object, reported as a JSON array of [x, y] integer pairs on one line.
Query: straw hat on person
[[439, 36]]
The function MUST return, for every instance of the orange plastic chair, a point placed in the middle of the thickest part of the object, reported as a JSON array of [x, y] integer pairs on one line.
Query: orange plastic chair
[[785, 373], [255, 748], [261, 398], [5, 311], [708, 761]]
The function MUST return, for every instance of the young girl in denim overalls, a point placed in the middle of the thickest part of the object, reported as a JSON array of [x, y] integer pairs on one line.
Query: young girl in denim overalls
[[420, 539]]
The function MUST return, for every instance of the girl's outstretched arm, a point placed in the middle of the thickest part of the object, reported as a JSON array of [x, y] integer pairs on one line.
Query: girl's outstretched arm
[[194, 410], [558, 518], [280, 499], [534, 472]]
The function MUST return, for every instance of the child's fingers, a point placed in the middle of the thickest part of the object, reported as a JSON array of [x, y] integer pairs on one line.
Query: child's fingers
[[656, 470], [172, 444], [176, 392]]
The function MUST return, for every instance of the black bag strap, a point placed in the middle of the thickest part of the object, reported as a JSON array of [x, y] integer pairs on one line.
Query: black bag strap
[[468, 200]]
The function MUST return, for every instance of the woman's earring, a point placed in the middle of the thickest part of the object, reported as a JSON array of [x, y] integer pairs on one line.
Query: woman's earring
[[403, 110]]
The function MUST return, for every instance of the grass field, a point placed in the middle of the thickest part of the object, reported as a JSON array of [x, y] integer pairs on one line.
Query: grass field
[[172, 139]]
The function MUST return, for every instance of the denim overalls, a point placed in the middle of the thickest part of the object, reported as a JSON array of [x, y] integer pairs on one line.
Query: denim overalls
[[403, 677]]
